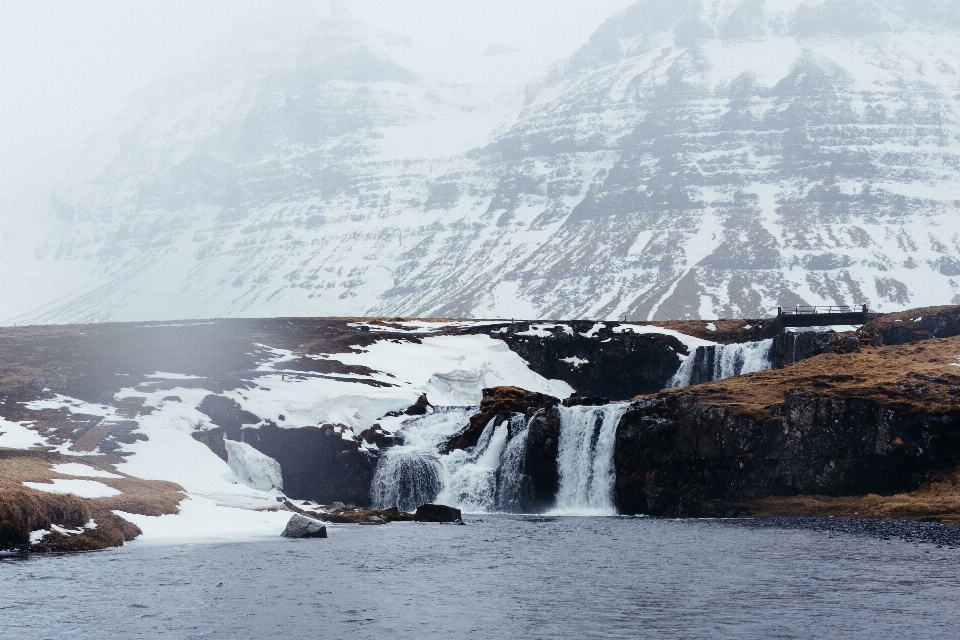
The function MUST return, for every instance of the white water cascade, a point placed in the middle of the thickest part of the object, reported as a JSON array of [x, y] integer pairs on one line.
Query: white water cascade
[[487, 477], [722, 361], [585, 459]]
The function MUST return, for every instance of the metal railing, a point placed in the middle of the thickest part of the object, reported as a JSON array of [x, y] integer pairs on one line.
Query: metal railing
[[810, 311]]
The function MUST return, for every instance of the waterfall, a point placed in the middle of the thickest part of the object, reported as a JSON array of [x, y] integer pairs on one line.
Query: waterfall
[[413, 473], [716, 362], [486, 477], [585, 459]]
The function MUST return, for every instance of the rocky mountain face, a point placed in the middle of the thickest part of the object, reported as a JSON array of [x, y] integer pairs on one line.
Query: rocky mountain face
[[694, 159]]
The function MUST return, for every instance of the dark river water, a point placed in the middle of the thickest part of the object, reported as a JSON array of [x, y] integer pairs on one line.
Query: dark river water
[[502, 577]]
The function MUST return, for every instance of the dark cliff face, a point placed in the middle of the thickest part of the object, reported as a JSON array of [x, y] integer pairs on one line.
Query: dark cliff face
[[794, 347], [914, 325], [679, 456], [536, 487], [316, 462], [618, 366]]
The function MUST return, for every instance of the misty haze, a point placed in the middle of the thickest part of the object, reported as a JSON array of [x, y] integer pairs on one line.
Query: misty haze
[[659, 298]]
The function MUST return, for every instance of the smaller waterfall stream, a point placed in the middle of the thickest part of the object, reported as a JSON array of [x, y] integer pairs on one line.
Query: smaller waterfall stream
[[723, 361], [487, 477], [585, 459]]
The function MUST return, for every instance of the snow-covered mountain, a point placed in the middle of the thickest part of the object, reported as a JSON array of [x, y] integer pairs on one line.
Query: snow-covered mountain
[[693, 159]]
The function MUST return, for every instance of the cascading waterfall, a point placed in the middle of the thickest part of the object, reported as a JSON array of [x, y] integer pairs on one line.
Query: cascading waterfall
[[717, 362], [413, 474], [585, 459], [487, 477]]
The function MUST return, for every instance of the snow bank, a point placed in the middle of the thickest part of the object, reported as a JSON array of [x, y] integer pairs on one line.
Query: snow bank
[[202, 519]]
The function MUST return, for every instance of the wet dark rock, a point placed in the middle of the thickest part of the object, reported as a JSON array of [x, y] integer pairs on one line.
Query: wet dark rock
[[37, 384], [316, 462], [301, 526], [419, 407], [437, 513], [540, 459], [914, 325], [172, 399], [677, 456], [801, 345], [227, 413], [643, 362], [213, 438], [500, 403], [373, 520], [382, 439]]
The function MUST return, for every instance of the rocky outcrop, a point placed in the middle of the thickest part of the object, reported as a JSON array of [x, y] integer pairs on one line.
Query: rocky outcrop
[[679, 456], [913, 325], [540, 459], [316, 463], [227, 414], [300, 526], [437, 513], [801, 345], [643, 362], [499, 403]]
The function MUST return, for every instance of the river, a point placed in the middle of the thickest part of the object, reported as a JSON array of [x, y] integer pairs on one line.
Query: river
[[497, 577]]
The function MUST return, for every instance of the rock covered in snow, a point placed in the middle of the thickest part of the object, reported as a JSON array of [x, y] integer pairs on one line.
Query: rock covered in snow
[[301, 526], [253, 468]]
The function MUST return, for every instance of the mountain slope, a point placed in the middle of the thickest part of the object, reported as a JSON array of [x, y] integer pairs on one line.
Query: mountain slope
[[693, 159]]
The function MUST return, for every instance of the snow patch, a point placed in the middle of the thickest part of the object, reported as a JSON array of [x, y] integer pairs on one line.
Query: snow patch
[[16, 435], [82, 470], [575, 361], [80, 488]]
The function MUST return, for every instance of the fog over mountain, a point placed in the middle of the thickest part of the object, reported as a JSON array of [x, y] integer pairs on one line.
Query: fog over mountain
[[693, 159]]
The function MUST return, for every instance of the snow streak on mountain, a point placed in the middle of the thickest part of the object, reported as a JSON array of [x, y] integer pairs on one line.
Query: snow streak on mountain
[[693, 159]]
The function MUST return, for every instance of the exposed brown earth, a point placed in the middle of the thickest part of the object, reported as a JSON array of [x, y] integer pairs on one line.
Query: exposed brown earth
[[909, 378], [23, 509]]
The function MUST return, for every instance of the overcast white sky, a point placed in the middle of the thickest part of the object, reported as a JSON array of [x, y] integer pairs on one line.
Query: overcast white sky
[[67, 66]]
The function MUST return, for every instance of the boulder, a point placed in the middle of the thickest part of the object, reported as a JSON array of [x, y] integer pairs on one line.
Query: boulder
[[437, 513], [301, 526], [61, 384], [36, 384], [373, 520]]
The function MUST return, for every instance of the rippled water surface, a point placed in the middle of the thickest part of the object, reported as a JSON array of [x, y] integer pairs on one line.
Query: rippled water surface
[[503, 577]]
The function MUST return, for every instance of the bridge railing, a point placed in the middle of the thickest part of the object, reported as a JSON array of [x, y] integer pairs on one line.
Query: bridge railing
[[810, 311]]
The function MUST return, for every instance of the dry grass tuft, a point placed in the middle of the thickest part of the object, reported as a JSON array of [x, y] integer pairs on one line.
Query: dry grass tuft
[[912, 378], [23, 509]]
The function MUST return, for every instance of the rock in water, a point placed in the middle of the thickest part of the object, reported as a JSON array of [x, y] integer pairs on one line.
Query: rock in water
[[437, 513], [303, 527]]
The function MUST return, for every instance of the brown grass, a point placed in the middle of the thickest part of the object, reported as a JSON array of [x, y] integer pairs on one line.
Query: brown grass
[[939, 501], [23, 509], [897, 377]]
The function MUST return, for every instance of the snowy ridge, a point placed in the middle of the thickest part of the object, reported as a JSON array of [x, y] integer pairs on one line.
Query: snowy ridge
[[692, 160]]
